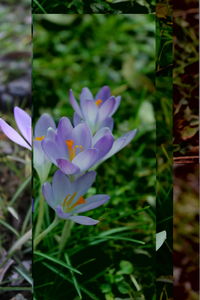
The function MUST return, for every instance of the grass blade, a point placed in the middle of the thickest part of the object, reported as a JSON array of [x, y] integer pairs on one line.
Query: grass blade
[[20, 190], [40, 6], [88, 293], [57, 262], [76, 285]]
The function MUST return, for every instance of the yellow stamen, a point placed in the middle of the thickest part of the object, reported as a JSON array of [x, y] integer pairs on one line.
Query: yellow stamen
[[98, 102], [79, 146], [39, 138]]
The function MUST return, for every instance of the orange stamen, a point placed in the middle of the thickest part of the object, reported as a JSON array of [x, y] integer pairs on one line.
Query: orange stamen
[[39, 138], [68, 200], [98, 102], [81, 200], [71, 149]]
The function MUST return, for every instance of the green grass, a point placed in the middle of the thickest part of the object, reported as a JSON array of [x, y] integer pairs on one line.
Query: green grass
[[96, 6]]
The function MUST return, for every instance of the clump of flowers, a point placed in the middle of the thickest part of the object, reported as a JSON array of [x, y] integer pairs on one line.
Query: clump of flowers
[[74, 148]]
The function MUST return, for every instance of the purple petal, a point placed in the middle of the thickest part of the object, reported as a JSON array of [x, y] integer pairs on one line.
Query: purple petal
[[104, 144], [51, 134], [65, 129], [103, 93], [83, 220], [90, 111], [117, 103], [42, 125], [99, 134], [76, 119], [67, 167], [92, 203], [23, 121], [84, 182], [51, 150], [13, 135], [82, 136], [48, 194], [108, 122], [74, 103], [121, 143], [61, 213], [86, 94], [85, 159], [106, 109], [60, 186]]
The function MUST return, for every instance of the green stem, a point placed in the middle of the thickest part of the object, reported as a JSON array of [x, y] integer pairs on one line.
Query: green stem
[[65, 235], [40, 214], [45, 232]]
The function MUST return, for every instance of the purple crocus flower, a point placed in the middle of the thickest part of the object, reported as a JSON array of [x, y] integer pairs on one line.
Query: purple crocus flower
[[40, 161], [23, 121], [95, 111], [73, 150], [66, 197]]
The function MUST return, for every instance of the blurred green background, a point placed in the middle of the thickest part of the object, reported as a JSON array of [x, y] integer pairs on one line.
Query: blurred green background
[[94, 6], [74, 51]]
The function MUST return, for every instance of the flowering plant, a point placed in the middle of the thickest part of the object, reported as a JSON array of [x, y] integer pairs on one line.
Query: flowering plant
[[74, 148]]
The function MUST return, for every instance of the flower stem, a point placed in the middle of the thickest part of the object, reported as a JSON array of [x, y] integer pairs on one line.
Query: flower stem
[[45, 232], [65, 235], [40, 214]]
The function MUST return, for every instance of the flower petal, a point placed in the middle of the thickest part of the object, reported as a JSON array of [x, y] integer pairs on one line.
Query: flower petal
[[42, 125], [65, 128], [83, 183], [85, 159], [86, 94], [92, 203], [104, 144], [117, 103], [61, 213], [82, 136], [74, 103], [13, 135], [108, 122], [51, 150], [67, 167], [51, 134], [41, 163], [83, 220], [48, 194], [90, 111], [121, 143], [23, 121], [99, 134], [76, 119], [60, 186], [103, 93], [106, 109]]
